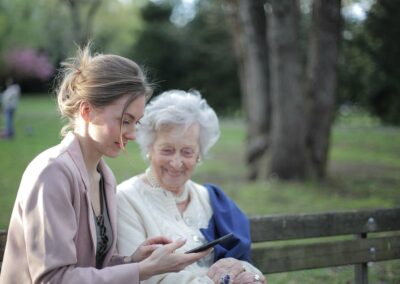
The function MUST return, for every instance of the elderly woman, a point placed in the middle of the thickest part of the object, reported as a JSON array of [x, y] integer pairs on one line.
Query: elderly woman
[[176, 132]]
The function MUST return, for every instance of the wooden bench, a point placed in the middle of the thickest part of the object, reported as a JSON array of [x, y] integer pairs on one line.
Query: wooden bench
[[383, 243], [362, 237]]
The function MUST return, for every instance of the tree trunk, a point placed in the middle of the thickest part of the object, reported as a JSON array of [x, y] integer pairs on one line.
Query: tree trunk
[[248, 22], [94, 6], [82, 21], [287, 152], [76, 20], [322, 81]]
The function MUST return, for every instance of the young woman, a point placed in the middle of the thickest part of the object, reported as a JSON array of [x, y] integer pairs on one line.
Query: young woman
[[63, 225]]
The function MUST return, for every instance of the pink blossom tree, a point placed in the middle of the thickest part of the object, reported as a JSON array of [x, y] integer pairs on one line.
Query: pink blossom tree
[[29, 64]]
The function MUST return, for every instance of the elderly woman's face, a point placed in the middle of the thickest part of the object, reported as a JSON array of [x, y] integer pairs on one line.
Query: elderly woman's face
[[173, 156]]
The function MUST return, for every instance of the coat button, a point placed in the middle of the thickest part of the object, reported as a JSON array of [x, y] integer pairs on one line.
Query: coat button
[[196, 238]]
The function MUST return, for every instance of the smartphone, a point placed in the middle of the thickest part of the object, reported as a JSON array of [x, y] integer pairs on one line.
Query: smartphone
[[210, 244]]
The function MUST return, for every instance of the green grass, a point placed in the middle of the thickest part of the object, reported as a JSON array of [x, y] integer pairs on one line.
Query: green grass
[[363, 172]]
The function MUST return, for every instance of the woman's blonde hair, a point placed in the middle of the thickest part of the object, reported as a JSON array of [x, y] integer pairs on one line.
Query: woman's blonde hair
[[99, 80]]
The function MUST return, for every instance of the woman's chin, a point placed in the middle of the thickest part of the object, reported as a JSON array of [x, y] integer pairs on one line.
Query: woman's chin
[[113, 154]]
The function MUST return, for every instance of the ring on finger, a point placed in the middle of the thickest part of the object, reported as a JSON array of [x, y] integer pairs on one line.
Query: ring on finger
[[256, 278], [225, 279]]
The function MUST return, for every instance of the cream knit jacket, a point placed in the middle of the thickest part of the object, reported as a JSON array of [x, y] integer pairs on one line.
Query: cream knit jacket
[[144, 211]]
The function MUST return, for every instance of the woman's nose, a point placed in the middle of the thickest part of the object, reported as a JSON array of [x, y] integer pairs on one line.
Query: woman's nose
[[130, 134], [177, 162]]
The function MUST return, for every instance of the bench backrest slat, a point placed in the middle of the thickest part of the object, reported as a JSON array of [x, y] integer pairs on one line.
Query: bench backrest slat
[[271, 228], [328, 254]]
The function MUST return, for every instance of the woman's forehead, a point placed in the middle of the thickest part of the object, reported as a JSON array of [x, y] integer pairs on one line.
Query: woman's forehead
[[179, 134]]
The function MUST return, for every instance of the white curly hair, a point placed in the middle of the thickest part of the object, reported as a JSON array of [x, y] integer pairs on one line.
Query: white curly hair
[[177, 108]]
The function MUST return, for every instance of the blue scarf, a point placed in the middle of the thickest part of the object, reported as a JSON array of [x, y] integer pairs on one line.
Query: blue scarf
[[227, 218]]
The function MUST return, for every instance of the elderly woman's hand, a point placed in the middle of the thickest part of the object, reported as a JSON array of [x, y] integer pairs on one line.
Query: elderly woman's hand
[[249, 277], [225, 270]]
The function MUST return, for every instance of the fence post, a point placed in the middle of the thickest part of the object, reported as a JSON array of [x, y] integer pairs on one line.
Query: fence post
[[361, 270]]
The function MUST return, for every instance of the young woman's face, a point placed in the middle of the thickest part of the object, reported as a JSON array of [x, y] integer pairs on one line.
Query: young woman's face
[[104, 128], [173, 157]]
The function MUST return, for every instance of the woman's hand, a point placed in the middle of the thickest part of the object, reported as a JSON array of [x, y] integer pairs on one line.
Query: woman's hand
[[164, 259], [146, 248], [223, 267]]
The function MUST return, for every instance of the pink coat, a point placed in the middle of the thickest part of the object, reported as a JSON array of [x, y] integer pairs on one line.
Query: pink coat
[[51, 237]]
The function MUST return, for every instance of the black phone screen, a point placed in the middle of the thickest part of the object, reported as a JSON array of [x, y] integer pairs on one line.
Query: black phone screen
[[210, 244]]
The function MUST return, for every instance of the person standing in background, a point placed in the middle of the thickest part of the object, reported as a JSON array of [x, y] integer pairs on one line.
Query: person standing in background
[[9, 100]]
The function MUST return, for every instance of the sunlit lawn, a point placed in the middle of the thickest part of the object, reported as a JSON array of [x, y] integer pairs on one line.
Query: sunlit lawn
[[364, 172]]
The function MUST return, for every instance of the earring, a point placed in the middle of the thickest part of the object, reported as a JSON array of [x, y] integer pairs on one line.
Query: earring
[[148, 156], [198, 160]]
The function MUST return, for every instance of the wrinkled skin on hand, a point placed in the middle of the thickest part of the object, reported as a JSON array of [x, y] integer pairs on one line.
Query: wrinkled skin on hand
[[234, 268]]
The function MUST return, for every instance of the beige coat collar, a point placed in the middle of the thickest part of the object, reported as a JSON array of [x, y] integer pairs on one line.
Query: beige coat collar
[[71, 143]]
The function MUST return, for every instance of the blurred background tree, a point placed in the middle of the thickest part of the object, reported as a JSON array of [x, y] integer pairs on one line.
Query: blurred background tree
[[248, 24], [289, 101]]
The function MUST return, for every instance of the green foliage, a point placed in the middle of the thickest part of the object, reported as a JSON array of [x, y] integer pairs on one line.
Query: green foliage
[[356, 66], [198, 55], [383, 25], [369, 72], [41, 25], [116, 26]]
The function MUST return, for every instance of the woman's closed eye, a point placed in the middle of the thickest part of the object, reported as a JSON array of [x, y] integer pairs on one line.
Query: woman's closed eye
[[188, 153], [167, 151], [128, 120]]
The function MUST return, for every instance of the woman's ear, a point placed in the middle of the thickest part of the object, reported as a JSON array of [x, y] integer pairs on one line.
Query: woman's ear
[[84, 110]]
